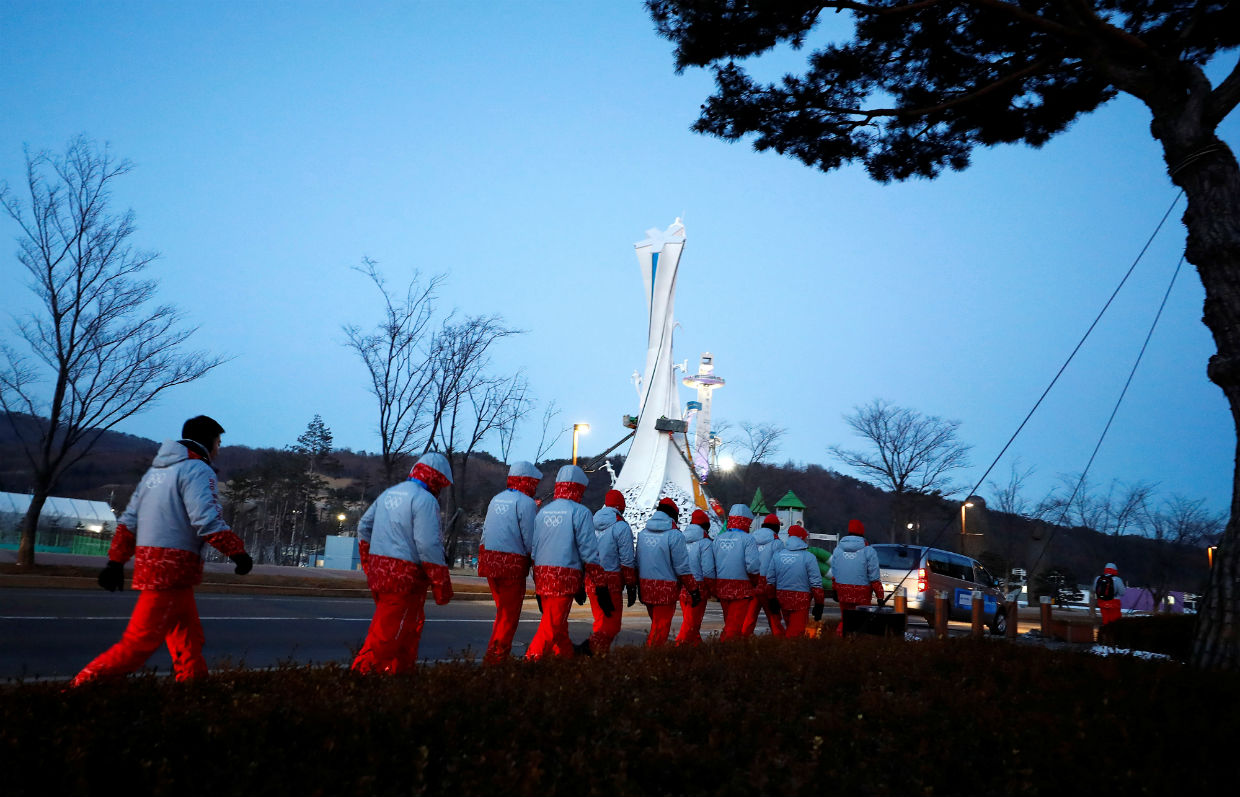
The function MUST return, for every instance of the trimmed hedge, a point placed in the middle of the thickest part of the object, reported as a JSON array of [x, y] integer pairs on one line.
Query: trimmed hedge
[[853, 716], [1171, 634]]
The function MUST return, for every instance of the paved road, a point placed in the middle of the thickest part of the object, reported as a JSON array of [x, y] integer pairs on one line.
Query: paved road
[[52, 633]]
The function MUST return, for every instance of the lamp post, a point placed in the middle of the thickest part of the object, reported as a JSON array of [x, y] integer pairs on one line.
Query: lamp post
[[963, 507], [578, 428]]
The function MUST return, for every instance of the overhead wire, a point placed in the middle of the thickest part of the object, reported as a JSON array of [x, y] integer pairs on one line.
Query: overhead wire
[[1140, 255]]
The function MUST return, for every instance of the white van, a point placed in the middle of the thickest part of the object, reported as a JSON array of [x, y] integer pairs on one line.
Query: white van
[[924, 571]]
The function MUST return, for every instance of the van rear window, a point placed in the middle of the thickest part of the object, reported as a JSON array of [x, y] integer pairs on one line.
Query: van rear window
[[896, 556]]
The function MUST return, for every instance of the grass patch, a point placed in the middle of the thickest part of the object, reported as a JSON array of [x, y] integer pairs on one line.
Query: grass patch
[[858, 716]]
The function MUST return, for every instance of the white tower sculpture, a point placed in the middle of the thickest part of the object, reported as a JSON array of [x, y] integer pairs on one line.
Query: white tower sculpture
[[705, 382], [657, 464]]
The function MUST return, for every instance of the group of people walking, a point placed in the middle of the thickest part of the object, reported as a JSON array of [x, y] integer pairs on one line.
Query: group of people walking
[[574, 554]]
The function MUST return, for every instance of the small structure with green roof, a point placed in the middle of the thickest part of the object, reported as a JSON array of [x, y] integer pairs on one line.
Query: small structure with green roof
[[758, 505], [790, 510]]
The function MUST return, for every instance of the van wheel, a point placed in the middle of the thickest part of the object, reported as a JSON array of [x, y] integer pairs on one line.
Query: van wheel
[[998, 626]]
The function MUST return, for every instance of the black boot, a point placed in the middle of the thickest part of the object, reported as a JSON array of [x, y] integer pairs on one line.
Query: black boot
[[582, 648]]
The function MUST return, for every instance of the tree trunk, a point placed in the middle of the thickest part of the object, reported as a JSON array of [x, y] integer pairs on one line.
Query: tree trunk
[[1201, 164], [30, 526]]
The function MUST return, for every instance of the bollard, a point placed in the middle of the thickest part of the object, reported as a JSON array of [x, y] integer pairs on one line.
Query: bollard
[[976, 630], [940, 614], [900, 602], [1013, 619], [1045, 600]]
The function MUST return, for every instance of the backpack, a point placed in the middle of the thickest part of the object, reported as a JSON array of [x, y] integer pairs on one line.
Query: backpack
[[1104, 588]]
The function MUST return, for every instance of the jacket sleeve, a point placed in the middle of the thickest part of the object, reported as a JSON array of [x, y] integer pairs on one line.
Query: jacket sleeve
[[753, 560], [708, 560], [366, 526], [202, 505], [624, 544], [679, 552], [1120, 587], [815, 575], [871, 565], [587, 541], [125, 539], [527, 514], [426, 537]]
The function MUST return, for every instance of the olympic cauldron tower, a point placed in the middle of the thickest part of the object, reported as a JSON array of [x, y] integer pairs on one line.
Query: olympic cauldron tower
[[658, 463]]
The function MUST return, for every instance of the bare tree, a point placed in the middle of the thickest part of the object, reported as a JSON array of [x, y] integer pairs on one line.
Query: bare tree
[[519, 407], [762, 440], [399, 354], [1122, 509], [95, 352], [469, 402], [911, 454], [1183, 525], [547, 440]]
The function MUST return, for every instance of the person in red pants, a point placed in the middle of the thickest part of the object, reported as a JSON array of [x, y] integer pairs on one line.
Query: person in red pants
[[702, 565], [736, 569], [769, 543], [1108, 589], [565, 550], [403, 556], [173, 512], [662, 570], [792, 580], [615, 557], [504, 554], [854, 569]]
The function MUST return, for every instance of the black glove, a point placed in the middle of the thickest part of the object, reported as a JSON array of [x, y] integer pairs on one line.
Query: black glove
[[244, 562], [538, 600], [772, 607], [632, 589], [695, 597], [580, 597], [604, 600], [835, 596], [817, 611], [112, 577]]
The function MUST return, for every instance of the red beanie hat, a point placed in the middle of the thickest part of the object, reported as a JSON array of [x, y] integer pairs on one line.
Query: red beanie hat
[[856, 527], [771, 521], [614, 499], [797, 530], [700, 519], [668, 506]]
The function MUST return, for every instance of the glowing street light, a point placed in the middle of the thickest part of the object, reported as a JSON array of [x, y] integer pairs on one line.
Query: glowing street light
[[582, 428], [963, 507], [726, 463]]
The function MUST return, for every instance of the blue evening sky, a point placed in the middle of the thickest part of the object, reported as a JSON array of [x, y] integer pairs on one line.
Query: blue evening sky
[[523, 148]]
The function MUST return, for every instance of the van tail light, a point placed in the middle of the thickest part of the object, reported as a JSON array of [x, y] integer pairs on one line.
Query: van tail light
[[921, 580]]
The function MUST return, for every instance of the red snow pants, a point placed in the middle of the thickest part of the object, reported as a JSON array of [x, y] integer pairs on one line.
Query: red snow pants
[[733, 617], [552, 634], [757, 604], [690, 621], [161, 616], [661, 615], [605, 628], [794, 622], [508, 594], [391, 644], [1110, 610]]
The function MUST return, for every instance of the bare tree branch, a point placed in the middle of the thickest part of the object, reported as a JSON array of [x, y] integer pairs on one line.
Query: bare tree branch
[[95, 352]]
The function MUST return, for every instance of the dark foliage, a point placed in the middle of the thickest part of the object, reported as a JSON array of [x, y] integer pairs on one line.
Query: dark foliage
[[1171, 634], [858, 716], [913, 87]]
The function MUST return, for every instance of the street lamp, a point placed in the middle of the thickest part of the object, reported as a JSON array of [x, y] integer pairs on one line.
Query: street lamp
[[963, 507], [582, 428]]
